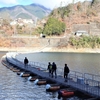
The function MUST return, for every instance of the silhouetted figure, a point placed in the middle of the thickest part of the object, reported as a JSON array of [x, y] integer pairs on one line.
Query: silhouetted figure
[[26, 61], [54, 68], [66, 71], [49, 68]]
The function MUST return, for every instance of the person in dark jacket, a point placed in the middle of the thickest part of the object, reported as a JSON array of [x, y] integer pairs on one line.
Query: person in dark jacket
[[54, 68], [26, 61], [66, 71], [49, 68]]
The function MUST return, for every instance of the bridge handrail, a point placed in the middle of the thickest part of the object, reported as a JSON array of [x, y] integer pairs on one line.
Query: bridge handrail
[[76, 73], [44, 67], [92, 76]]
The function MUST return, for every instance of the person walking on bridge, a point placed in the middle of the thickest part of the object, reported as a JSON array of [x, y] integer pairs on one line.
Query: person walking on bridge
[[26, 61], [66, 71], [54, 68], [49, 68]]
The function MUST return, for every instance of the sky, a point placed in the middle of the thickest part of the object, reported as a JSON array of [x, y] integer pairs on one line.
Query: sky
[[47, 3]]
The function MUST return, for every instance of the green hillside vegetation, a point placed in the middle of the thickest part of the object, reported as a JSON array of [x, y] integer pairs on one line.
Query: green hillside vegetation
[[54, 27], [85, 42]]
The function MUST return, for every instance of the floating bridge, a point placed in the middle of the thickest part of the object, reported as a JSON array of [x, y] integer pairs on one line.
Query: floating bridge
[[86, 83]]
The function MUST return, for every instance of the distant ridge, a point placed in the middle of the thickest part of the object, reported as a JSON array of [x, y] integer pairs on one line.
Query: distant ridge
[[27, 11]]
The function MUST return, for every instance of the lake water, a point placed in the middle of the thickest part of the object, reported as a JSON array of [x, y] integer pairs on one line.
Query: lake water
[[14, 87]]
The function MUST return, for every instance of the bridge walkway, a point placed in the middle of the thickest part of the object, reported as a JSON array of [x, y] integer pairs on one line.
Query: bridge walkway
[[81, 83]]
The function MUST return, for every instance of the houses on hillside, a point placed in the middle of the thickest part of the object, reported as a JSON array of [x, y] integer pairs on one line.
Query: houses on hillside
[[21, 21]]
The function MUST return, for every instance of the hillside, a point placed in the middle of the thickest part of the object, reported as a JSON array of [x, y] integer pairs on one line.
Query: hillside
[[27, 12], [80, 16]]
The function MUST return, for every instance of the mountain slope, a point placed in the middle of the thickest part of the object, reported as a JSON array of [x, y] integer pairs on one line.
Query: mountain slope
[[28, 11]]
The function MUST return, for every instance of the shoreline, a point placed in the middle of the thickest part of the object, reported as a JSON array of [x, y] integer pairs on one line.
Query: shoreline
[[49, 49]]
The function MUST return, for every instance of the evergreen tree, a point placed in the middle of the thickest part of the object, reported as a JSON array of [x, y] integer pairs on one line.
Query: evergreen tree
[[54, 27]]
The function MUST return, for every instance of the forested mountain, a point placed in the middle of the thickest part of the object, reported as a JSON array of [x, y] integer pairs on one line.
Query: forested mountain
[[27, 12]]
